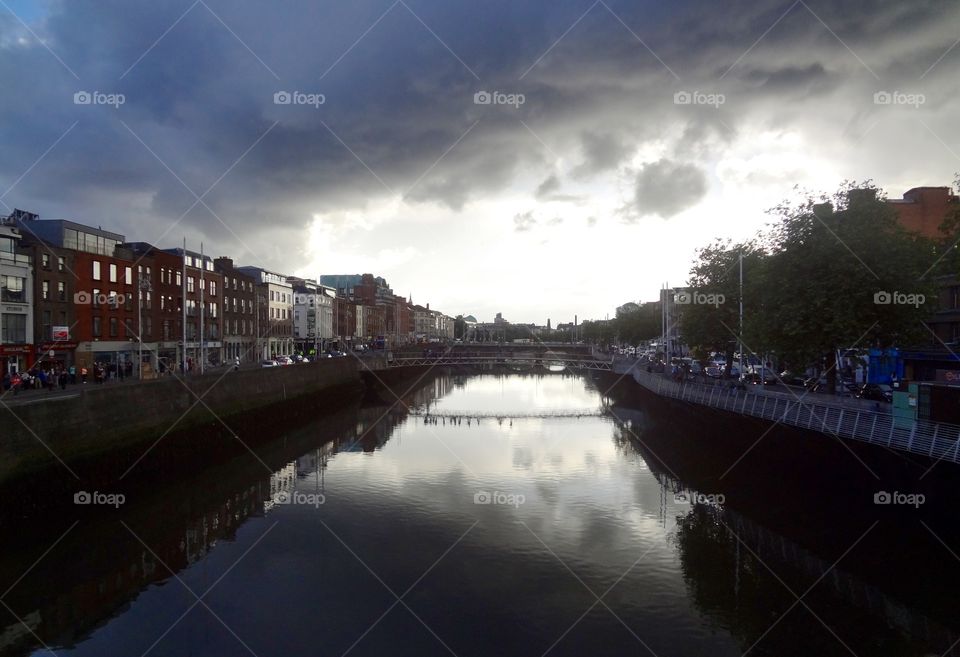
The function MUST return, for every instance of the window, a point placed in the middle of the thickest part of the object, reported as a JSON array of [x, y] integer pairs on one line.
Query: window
[[60, 264], [179, 280], [113, 273], [166, 329], [61, 291], [128, 275], [112, 300], [12, 289], [13, 330], [70, 239], [213, 288], [95, 299], [45, 259], [46, 331], [129, 330], [213, 310], [191, 307], [96, 327], [45, 290], [63, 318], [128, 302], [96, 270], [113, 327], [191, 284], [6, 245]]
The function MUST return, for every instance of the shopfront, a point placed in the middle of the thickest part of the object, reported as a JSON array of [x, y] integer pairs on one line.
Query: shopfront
[[15, 358], [57, 353]]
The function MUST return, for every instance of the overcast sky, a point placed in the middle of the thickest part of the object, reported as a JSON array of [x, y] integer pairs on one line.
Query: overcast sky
[[587, 181]]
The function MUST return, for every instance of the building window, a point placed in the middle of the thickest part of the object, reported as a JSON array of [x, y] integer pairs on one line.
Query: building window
[[190, 284], [128, 330], [213, 288], [96, 327], [113, 273], [63, 318], [46, 331], [13, 329], [96, 270], [61, 291], [113, 327], [45, 259], [128, 302], [128, 275], [12, 289], [179, 280], [95, 299], [60, 264], [147, 326], [45, 288]]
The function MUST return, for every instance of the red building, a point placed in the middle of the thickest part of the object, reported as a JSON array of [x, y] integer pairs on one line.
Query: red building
[[923, 209]]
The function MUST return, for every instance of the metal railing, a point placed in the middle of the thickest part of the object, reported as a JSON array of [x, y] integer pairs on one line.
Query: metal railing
[[932, 439]]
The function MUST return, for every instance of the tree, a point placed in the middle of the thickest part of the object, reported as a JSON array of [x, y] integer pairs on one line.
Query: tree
[[710, 319], [841, 274]]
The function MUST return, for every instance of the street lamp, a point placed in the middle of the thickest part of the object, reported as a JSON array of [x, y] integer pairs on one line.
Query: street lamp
[[145, 287]]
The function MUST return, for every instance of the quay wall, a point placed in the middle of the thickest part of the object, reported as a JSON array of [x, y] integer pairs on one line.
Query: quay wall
[[124, 417]]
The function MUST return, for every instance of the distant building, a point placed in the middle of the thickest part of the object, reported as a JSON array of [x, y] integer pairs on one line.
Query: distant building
[[923, 209], [239, 312]]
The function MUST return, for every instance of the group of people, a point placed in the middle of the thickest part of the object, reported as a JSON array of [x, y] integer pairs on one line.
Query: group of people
[[58, 375]]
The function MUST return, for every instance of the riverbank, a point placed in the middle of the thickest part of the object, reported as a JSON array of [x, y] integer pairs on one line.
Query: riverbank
[[103, 430]]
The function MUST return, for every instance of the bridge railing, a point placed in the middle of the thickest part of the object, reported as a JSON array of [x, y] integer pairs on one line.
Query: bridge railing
[[932, 439]]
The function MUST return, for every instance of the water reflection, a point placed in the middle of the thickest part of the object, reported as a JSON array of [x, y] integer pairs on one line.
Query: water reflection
[[504, 537]]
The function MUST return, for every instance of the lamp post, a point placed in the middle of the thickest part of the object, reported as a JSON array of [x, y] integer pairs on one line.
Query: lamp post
[[144, 287]]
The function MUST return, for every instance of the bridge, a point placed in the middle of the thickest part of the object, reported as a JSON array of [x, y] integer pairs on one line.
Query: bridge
[[457, 417], [547, 358]]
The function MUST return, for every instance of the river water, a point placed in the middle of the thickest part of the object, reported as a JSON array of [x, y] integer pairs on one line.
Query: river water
[[484, 515]]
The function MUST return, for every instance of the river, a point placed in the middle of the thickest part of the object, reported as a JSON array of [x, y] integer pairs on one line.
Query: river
[[519, 514]]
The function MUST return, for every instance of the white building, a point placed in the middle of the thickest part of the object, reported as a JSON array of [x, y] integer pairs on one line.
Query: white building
[[275, 332], [16, 303], [312, 315]]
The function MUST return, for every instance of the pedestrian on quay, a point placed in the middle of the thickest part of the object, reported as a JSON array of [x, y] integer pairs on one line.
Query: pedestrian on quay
[[16, 381], [64, 377], [73, 374], [83, 373]]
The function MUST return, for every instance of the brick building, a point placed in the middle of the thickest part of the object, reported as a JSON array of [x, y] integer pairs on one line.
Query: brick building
[[239, 312]]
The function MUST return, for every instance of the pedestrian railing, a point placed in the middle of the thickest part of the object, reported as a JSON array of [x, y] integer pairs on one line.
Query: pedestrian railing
[[932, 439]]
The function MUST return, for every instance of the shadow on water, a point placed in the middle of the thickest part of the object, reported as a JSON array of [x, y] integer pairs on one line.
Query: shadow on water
[[799, 520]]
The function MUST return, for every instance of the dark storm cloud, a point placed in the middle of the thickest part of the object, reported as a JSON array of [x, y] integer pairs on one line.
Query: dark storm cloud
[[399, 117], [666, 188]]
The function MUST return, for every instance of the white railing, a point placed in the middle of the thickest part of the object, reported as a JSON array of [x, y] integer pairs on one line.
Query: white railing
[[932, 439]]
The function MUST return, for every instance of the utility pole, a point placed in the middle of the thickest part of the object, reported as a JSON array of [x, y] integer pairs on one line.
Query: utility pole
[[183, 303], [203, 353], [740, 346]]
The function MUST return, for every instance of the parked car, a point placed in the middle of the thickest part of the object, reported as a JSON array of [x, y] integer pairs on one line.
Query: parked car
[[714, 372], [756, 378], [268, 363], [283, 360], [876, 392]]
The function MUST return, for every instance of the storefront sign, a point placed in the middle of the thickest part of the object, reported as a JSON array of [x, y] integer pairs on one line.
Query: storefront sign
[[58, 346], [14, 349], [61, 333]]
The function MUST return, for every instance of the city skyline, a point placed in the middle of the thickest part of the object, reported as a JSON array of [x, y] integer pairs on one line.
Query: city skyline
[[467, 153]]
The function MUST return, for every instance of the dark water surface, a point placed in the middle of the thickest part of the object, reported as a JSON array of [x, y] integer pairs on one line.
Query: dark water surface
[[444, 535]]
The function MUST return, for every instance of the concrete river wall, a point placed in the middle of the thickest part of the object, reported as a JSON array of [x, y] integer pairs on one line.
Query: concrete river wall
[[57, 433]]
